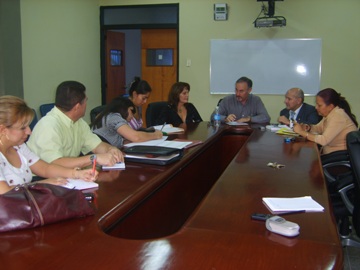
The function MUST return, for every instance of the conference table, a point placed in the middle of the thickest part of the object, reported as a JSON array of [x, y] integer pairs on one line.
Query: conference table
[[194, 213]]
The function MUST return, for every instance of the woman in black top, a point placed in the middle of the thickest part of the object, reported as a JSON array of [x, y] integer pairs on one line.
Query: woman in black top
[[179, 110]]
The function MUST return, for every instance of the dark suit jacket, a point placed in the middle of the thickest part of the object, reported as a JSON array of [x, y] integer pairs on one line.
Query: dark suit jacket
[[306, 115], [169, 115]]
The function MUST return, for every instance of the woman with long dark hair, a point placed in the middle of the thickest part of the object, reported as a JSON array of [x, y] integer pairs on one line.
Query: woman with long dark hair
[[139, 93], [337, 122], [179, 110], [112, 124]]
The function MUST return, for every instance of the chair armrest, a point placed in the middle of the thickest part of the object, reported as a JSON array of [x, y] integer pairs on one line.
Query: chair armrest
[[343, 193]]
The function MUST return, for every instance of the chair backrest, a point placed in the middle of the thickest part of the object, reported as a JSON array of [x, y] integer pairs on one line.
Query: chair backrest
[[45, 108], [153, 111], [34, 121], [95, 111], [353, 146]]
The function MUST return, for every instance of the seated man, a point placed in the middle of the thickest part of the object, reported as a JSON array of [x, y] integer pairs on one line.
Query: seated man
[[243, 106], [62, 134], [298, 110]]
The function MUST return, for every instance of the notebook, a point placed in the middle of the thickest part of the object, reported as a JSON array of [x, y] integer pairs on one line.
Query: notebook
[[116, 166], [80, 184]]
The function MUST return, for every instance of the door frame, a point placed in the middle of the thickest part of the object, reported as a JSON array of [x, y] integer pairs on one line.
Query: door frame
[[104, 28]]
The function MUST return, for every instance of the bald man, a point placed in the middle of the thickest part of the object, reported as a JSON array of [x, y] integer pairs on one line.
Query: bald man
[[302, 112]]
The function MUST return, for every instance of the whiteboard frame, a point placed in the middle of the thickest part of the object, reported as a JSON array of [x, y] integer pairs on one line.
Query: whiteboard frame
[[226, 64]]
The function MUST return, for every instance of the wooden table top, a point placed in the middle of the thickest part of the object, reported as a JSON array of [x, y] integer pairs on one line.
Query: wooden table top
[[193, 214]]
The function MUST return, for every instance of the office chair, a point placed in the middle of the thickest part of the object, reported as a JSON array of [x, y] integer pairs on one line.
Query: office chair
[[95, 111], [34, 121], [340, 183], [353, 145], [336, 166], [153, 111], [45, 108]]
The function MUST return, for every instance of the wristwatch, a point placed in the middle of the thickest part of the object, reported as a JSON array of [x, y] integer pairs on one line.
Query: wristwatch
[[92, 158]]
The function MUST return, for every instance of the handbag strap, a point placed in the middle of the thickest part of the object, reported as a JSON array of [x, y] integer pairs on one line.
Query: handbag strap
[[35, 204]]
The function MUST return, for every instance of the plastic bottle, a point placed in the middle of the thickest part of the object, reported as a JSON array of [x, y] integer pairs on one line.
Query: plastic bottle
[[217, 118]]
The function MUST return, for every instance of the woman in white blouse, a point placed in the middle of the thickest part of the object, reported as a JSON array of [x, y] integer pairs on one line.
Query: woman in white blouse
[[17, 162]]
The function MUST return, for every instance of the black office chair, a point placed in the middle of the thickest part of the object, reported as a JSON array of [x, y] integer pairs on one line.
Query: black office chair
[[45, 108], [34, 121], [340, 183], [336, 166], [153, 111], [344, 189], [32, 124], [353, 145], [95, 111]]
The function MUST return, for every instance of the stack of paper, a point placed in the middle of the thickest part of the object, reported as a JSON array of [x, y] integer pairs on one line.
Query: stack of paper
[[274, 128], [163, 142], [234, 123], [286, 131], [162, 158], [279, 205], [169, 129]]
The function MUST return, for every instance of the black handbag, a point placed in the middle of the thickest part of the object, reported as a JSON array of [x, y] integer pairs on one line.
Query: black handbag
[[37, 204], [149, 154]]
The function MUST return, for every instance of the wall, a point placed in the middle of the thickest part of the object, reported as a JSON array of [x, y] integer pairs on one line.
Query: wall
[[11, 81], [61, 41]]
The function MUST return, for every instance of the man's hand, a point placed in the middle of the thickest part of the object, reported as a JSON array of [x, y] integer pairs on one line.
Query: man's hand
[[283, 120], [230, 118], [244, 119]]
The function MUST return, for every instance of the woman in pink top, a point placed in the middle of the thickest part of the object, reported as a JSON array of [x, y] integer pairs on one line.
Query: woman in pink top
[[337, 122]]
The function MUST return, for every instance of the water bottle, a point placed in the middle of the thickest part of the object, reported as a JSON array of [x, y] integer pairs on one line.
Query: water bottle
[[217, 118]]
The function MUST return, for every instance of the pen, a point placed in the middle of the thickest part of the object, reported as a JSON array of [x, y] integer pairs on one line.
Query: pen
[[163, 126], [94, 166]]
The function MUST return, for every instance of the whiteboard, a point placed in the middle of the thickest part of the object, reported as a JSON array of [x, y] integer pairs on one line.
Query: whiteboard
[[274, 66]]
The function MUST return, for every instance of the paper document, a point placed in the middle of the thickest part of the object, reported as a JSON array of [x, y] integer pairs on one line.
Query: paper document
[[117, 166], [274, 128], [169, 129], [292, 204], [192, 143], [234, 123], [287, 131], [80, 184], [171, 144], [153, 158]]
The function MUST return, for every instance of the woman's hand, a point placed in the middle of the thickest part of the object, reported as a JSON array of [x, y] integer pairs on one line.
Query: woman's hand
[[58, 181], [298, 128], [158, 134], [86, 175], [306, 127]]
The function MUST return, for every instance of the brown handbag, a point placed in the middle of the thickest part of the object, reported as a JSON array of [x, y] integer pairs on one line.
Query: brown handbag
[[35, 204]]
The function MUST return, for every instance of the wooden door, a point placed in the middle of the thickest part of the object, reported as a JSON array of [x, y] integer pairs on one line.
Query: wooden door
[[115, 65], [160, 78]]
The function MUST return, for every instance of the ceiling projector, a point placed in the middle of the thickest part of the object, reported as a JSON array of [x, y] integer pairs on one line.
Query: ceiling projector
[[270, 21]]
